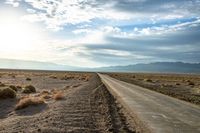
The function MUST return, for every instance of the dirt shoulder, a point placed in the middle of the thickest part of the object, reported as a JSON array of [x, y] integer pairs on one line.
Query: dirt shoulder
[[182, 86]]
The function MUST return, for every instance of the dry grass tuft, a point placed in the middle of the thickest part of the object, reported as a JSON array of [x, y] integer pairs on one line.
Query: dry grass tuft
[[58, 95], [29, 89], [13, 87], [29, 101], [45, 94], [28, 79], [7, 93], [19, 87], [53, 77], [148, 80], [191, 83], [2, 85]]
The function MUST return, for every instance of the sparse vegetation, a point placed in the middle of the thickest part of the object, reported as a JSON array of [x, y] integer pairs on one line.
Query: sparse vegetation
[[2, 85], [29, 101], [19, 87], [53, 77], [58, 95], [7, 93], [148, 80], [13, 87], [29, 89], [190, 83], [83, 77], [28, 79], [45, 94]]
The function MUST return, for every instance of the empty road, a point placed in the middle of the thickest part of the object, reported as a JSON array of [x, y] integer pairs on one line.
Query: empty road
[[158, 113]]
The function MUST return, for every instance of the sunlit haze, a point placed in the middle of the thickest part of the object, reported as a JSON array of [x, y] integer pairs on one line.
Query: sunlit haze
[[16, 36]]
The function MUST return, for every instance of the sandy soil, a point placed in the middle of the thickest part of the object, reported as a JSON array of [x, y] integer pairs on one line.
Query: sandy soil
[[86, 107], [182, 86]]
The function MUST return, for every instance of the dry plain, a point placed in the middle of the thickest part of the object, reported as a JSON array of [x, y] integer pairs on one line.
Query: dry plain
[[182, 86], [61, 102], [55, 101]]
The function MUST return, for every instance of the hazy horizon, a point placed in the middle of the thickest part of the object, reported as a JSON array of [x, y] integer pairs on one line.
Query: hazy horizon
[[100, 33]]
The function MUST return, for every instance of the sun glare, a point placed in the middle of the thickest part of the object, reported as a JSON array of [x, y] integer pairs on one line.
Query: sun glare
[[16, 35]]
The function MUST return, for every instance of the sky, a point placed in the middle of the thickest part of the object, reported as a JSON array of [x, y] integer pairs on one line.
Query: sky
[[96, 33]]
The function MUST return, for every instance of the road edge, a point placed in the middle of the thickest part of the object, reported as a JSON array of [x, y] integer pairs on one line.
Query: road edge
[[139, 125]]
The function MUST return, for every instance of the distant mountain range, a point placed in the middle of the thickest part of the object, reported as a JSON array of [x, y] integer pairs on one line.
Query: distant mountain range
[[173, 67], [23, 64]]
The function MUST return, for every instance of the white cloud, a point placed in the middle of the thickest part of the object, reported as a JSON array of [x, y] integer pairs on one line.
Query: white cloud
[[14, 3], [55, 13]]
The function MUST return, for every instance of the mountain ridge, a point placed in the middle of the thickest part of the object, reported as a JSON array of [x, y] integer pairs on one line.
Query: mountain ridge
[[172, 67], [158, 67]]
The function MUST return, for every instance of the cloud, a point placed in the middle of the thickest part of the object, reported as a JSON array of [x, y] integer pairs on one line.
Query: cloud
[[182, 45], [14, 3], [58, 13]]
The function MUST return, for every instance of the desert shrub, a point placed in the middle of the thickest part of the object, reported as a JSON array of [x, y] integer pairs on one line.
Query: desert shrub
[[58, 95], [7, 93], [28, 79], [2, 85], [190, 83], [87, 78], [19, 87], [45, 94], [13, 87], [29, 101], [29, 89], [54, 91], [178, 84], [53, 77], [148, 80]]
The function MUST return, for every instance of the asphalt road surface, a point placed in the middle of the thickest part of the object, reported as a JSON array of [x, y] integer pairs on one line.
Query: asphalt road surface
[[158, 113]]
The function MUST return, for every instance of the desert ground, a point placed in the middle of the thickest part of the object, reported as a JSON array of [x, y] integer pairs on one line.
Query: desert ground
[[182, 86], [42, 101], [55, 101]]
